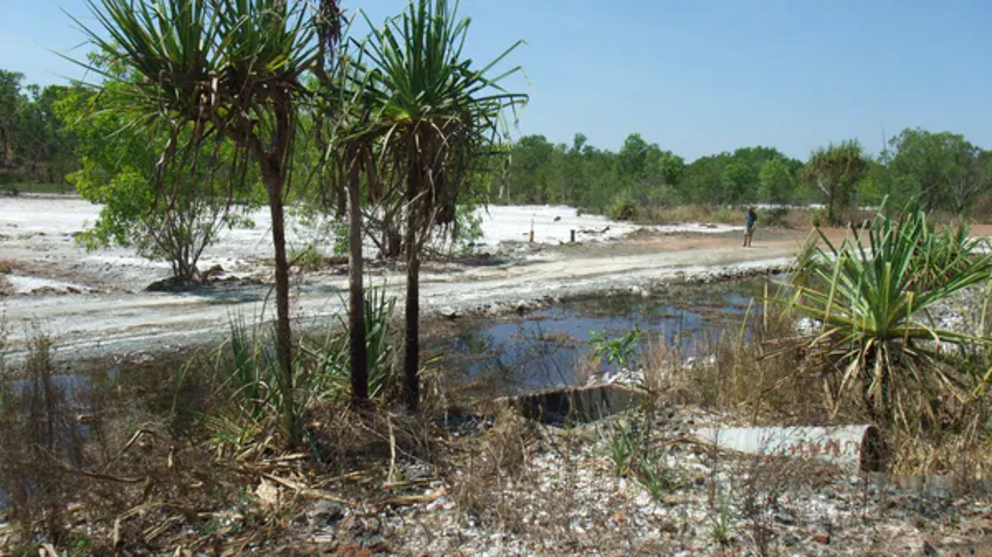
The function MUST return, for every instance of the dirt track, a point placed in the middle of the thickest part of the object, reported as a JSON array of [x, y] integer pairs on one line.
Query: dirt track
[[97, 308]]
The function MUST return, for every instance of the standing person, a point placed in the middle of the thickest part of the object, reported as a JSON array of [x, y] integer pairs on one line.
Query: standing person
[[752, 219]]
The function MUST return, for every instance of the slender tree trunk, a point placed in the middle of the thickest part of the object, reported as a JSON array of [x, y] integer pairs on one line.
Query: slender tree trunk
[[832, 206], [272, 177], [394, 242], [411, 347], [357, 348]]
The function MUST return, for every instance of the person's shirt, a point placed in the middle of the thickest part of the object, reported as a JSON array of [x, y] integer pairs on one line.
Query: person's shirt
[[751, 218]]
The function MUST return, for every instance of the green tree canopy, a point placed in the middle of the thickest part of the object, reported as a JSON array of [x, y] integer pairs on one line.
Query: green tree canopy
[[166, 212], [943, 169], [438, 115], [776, 181], [34, 144], [834, 170]]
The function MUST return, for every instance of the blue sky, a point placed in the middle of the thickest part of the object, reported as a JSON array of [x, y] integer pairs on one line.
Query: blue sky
[[695, 76]]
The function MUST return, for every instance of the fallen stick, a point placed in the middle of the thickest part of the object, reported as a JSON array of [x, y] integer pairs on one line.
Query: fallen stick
[[404, 500], [306, 491]]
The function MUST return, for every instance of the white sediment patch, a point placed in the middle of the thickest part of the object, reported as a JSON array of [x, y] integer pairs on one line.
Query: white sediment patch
[[19, 284], [553, 224]]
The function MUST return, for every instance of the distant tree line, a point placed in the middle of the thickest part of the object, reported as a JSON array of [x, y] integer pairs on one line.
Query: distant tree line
[[944, 170], [35, 145]]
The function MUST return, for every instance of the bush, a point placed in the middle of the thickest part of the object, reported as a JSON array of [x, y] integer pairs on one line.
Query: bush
[[622, 207], [774, 216], [874, 300]]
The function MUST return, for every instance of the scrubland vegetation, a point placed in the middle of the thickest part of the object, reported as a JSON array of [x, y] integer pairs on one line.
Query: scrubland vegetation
[[350, 442]]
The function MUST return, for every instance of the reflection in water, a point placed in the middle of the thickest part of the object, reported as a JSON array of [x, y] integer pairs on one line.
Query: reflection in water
[[544, 348], [49, 421]]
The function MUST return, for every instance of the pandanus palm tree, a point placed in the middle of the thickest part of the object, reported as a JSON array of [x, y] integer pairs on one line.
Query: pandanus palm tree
[[346, 144], [350, 154], [834, 171], [874, 299], [437, 115], [228, 67]]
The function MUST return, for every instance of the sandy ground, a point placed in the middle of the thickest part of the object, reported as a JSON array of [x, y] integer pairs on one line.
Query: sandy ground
[[93, 305]]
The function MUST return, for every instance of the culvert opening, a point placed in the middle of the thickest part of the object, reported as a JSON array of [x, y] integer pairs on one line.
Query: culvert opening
[[576, 405]]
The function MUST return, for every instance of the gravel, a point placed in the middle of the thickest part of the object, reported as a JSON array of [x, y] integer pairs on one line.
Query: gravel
[[566, 499]]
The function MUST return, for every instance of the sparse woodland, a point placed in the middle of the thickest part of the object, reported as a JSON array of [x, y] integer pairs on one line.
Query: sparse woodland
[[347, 442]]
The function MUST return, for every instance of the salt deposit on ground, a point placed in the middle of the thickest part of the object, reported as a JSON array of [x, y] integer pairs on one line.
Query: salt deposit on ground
[[63, 215], [114, 313], [28, 284], [553, 224]]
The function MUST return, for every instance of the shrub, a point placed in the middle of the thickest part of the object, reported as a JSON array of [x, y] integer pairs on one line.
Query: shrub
[[773, 216], [623, 207], [873, 299]]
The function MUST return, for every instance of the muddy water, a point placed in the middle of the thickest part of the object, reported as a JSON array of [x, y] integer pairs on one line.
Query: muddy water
[[540, 349], [551, 347]]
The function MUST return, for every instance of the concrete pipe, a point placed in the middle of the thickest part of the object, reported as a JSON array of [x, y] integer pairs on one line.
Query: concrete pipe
[[851, 446]]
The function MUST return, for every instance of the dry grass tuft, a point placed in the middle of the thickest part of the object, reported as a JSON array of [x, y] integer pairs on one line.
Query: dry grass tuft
[[106, 466], [485, 465], [958, 453], [343, 439], [797, 218], [762, 371]]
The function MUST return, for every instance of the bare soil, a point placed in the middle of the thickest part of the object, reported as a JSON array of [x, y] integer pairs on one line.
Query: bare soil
[[95, 304]]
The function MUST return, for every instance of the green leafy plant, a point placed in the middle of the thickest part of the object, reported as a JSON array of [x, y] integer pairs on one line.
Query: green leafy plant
[[245, 377], [309, 257], [656, 475], [632, 456], [623, 207], [833, 171], [774, 216], [873, 295], [242, 381], [379, 309], [467, 228], [330, 375], [168, 212], [620, 351], [626, 441], [221, 69]]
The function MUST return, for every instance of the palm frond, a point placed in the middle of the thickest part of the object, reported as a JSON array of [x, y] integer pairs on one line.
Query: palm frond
[[874, 299]]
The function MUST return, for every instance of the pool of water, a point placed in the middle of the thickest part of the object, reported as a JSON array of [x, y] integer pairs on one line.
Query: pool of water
[[545, 348]]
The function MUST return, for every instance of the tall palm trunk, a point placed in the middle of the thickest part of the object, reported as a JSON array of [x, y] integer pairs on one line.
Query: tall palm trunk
[[356, 308], [273, 179], [411, 347]]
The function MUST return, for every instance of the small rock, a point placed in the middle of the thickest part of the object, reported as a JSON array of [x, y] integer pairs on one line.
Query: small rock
[[822, 538], [785, 518], [268, 494], [325, 513], [449, 312], [790, 540]]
